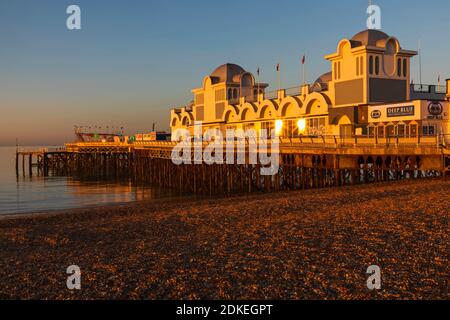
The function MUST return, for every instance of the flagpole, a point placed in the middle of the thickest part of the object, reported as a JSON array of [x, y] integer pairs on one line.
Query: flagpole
[[304, 69], [279, 77], [420, 64], [257, 95]]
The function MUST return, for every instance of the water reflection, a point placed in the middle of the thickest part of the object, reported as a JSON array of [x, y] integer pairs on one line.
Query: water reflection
[[37, 193]]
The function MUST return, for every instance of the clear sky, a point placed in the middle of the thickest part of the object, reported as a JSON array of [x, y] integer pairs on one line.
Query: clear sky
[[133, 60]]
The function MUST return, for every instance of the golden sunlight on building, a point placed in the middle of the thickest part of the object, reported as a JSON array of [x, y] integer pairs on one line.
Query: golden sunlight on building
[[367, 93]]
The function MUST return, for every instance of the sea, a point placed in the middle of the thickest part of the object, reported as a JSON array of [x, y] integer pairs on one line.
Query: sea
[[25, 194]]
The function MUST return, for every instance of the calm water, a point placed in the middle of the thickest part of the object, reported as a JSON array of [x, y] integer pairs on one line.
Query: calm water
[[36, 194]]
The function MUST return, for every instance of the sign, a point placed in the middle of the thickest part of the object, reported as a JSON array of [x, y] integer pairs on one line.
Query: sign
[[435, 108], [376, 114], [400, 111], [436, 111]]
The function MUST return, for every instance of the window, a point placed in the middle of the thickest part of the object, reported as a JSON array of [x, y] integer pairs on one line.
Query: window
[[357, 66], [361, 65], [413, 130], [335, 71], [371, 131], [248, 126], [390, 131], [429, 130], [380, 130], [199, 99], [339, 69], [401, 130], [235, 94], [405, 68], [267, 127], [316, 126], [377, 65], [371, 65], [230, 94], [399, 67], [290, 129]]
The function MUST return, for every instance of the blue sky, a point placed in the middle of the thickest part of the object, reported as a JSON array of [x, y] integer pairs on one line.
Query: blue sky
[[134, 60]]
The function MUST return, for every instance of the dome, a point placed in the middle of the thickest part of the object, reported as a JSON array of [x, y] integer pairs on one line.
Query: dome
[[325, 78], [227, 73], [369, 37]]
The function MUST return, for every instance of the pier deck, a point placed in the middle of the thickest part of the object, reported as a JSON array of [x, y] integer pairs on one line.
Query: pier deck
[[307, 162]]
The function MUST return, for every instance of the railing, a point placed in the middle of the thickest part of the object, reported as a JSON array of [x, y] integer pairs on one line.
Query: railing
[[294, 91], [425, 88], [441, 89], [28, 151], [421, 88], [436, 141], [308, 142], [271, 95]]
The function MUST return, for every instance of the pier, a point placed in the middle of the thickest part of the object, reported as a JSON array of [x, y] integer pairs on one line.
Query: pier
[[304, 163]]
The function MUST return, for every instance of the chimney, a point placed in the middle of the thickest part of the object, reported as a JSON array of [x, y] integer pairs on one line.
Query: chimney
[[448, 89]]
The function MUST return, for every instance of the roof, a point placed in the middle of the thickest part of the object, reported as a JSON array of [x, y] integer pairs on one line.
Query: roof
[[325, 78], [369, 37], [227, 72]]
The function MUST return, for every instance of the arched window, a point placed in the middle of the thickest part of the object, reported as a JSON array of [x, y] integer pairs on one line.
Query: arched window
[[230, 94], [405, 68], [399, 67], [255, 93], [377, 65], [235, 94], [371, 65]]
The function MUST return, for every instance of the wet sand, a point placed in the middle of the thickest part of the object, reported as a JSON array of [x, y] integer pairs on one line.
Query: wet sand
[[315, 244]]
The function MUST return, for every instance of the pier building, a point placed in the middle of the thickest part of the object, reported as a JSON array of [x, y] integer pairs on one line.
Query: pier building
[[368, 92]]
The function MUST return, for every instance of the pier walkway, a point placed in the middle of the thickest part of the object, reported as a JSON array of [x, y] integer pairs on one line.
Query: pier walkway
[[306, 162]]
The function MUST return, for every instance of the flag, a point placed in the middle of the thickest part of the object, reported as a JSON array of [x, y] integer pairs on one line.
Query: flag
[[278, 67], [439, 79], [303, 59], [257, 72]]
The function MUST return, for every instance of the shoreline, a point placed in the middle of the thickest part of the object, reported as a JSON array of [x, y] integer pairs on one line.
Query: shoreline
[[190, 199], [314, 244]]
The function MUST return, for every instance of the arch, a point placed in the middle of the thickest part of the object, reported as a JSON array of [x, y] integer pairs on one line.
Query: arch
[[248, 112], [391, 44], [342, 46], [185, 122], [247, 80], [315, 99], [290, 107], [230, 114], [174, 122], [341, 120], [268, 110], [207, 82], [187, 118]]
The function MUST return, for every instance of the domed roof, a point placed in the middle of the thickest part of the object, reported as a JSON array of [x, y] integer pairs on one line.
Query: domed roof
[[369, 37], [325, 78], [227, 72]]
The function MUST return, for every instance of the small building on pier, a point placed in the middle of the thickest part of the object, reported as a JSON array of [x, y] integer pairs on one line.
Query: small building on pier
[[367, 92]]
